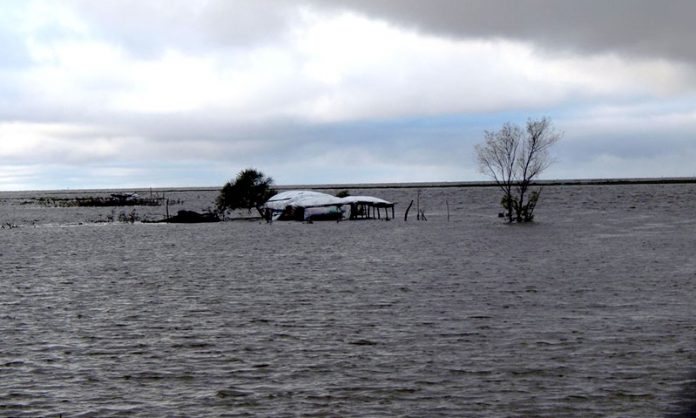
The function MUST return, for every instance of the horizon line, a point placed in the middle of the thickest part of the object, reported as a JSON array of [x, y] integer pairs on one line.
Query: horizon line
[[396, 185]]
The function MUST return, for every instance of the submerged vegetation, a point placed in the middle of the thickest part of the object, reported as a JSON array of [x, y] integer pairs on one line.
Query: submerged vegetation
[[97, 201], [250, 190], [192, 217], [513, 157]]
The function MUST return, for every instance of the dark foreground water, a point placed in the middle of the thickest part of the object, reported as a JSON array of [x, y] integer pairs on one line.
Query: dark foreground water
[[588, 312]]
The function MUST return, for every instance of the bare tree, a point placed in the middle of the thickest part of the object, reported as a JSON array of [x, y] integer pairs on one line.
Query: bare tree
[[497, 158], [514, 157]]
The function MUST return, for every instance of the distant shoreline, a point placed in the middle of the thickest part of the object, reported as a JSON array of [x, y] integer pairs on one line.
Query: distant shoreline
[[411, 185], [468, 184]]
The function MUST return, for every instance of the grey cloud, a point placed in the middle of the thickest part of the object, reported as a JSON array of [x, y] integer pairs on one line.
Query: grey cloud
[[637, 27]]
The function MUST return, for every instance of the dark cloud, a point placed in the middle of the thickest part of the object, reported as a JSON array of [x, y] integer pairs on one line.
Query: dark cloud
[[637, 27]]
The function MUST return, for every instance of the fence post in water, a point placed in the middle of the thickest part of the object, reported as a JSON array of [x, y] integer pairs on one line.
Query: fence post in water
[[418, 205], [407, 209], [448, 216]]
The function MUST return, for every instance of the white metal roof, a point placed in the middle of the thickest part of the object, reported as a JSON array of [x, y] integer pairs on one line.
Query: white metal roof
[[302, 198], [366, 199], [309, 198]]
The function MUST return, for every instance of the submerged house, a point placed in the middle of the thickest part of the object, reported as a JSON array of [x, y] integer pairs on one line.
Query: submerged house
[[306, 205]]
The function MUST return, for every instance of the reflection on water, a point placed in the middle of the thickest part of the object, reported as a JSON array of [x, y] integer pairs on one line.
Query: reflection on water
[[588, 312]]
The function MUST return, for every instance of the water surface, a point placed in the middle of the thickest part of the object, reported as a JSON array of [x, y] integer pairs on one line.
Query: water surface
[[588, 312]]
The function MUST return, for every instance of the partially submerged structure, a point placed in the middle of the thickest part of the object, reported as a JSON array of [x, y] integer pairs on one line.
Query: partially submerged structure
[[366, 207], [307, 205]]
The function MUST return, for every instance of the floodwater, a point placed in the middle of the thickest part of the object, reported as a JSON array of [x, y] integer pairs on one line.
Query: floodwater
[[588, 312]]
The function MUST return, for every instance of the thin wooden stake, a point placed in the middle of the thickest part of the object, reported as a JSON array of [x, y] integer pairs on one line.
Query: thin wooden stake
[[418, 205]]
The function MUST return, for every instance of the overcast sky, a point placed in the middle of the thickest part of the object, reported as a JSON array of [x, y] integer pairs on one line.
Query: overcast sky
[[137, 93]]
